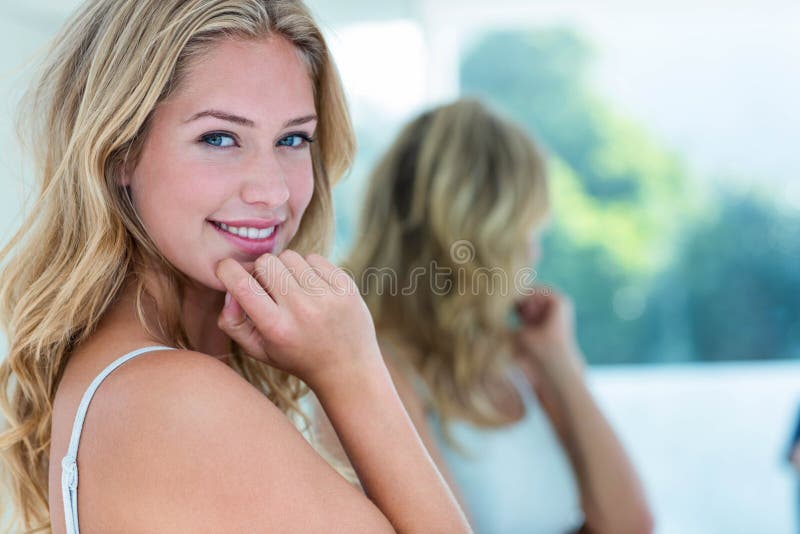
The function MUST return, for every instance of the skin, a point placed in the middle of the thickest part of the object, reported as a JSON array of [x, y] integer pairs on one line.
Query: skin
[[177, 419]]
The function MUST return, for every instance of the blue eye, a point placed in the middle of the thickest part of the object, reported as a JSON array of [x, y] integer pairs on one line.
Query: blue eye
[[217, 140], [295, 141]]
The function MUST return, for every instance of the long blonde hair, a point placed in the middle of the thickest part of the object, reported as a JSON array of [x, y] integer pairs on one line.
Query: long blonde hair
[[86, 118], [448, 213]]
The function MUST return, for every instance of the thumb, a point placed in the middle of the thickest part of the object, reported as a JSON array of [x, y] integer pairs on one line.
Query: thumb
[[232, 312], [234, 322]]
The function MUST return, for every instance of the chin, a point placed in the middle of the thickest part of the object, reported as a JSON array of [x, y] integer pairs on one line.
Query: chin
[[216, 285], [205, 277], [206, 281]]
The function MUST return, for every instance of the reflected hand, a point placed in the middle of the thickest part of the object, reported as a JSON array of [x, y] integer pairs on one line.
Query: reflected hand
[[546, 337]]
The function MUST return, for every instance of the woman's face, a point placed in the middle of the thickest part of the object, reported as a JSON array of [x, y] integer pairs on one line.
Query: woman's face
[[229, 148]]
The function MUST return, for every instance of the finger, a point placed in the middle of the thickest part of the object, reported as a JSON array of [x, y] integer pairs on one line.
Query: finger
[[532, 307], [306, 276], [527, 339], [251, 296], [235, 323], [540, 295], [558, 303], [274, 277], [334, 276], [534, 317], [527, 314], [555, 296], [248, 266]]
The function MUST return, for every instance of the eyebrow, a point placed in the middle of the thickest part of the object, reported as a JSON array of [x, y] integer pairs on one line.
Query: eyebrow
[[222, 115]]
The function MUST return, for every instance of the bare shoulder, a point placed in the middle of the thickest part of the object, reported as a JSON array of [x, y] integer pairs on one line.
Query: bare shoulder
[[190, 446]]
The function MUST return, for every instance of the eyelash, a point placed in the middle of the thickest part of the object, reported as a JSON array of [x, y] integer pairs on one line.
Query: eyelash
[[305, 137]]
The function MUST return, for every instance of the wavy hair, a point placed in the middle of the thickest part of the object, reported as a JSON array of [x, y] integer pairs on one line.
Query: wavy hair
[[85, 119], [456, 196]]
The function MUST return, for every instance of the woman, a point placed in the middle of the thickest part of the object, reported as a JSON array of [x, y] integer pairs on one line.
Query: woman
[[487, 366], [169, 272]]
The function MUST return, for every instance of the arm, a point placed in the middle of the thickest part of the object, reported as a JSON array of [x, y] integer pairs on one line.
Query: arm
[[327, 438], [605, 474], [395, 469], [311, 321]]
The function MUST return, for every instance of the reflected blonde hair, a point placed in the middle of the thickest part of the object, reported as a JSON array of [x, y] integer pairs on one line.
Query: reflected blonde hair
[[86, 118], [460, 189]]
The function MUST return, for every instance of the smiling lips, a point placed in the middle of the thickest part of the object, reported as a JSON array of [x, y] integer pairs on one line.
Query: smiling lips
[[251, 236], [250, 232]]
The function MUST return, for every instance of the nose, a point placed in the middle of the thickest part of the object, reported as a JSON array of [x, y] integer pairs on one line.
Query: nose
[[266, 183]]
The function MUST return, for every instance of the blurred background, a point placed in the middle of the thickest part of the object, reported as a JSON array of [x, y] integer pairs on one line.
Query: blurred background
[[671, 130]]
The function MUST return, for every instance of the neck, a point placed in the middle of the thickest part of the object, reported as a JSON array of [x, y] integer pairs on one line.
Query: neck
[[199, 311], [201, 308]]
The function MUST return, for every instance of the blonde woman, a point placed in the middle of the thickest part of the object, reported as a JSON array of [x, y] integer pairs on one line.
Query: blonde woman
[[166, 302], [449, 226]]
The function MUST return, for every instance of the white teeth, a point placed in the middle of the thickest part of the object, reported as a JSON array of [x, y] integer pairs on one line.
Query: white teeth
[[248, 232]]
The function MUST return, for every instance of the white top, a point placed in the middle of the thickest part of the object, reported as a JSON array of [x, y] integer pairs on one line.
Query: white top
[[515, 479], [69, 466]]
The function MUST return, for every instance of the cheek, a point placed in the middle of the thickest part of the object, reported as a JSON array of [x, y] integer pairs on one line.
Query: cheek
[[176, 195], [301, 189], [173, 198]]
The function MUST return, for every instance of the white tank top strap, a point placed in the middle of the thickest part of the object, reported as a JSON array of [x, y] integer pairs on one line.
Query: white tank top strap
[[69, 466]]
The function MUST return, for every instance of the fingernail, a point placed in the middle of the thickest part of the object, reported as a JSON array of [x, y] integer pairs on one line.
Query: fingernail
[[227, 298]]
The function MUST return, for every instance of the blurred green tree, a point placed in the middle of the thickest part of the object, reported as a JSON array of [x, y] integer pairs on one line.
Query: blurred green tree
[[741, 276]]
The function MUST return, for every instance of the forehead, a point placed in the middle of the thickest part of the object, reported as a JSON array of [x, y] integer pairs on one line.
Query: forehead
[[265, 80]]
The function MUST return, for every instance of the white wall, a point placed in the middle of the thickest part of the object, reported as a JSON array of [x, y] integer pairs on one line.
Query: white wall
[[710, 441]]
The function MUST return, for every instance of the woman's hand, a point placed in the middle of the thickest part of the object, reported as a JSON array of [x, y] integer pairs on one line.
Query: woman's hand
[[546, 337], [304, 316]]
